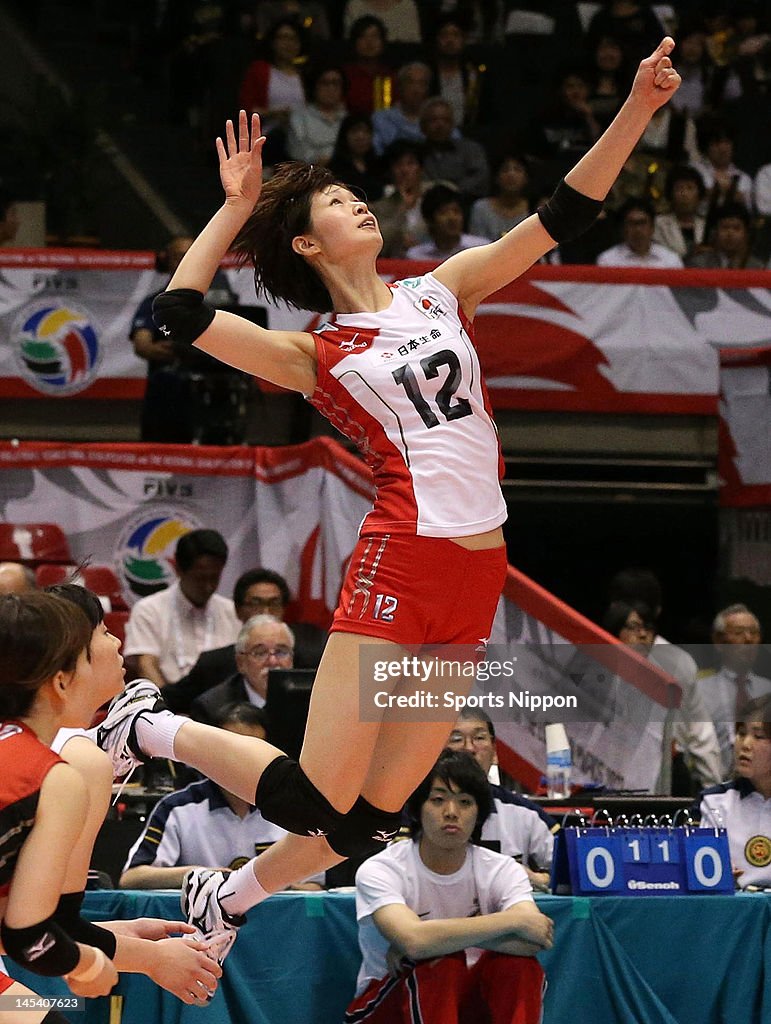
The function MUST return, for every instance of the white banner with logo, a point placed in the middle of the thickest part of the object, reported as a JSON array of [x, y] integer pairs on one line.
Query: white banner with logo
[[294, 509]]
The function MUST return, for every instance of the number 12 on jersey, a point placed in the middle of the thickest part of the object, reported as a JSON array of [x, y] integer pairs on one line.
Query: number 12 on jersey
[[430, 365]]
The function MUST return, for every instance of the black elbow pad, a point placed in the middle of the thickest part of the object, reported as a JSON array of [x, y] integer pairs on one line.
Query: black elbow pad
[[67, 914], [567, 214], [182, 314], [43, 948]]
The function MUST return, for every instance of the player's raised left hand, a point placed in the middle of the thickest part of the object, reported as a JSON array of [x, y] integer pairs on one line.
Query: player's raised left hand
[[656, 80]]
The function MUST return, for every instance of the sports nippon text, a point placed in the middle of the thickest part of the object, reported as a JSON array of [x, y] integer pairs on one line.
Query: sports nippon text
[[442, 682]]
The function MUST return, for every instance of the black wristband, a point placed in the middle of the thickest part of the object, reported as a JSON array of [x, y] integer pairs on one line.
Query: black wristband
[[567, 214], [67, 914], [182, 314]]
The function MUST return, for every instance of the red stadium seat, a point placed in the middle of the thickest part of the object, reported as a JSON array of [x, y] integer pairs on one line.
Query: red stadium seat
[[116, 623], [33, 543], [103, 581], [48, 574]]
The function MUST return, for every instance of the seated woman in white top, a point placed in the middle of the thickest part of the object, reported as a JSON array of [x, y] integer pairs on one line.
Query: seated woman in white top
[[313, 128]]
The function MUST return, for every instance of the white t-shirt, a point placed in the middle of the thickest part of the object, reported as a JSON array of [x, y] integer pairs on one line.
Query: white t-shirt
[[622, 256], [168, 626], [487, 882]]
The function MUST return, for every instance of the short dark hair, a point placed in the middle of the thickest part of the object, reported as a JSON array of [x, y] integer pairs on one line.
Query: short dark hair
[[253, 576], [40, 635], [757, 710], [636, 203], [436, 197], [683, 172], [478, 715], [402, 147], [241, 713], [85, 599], [283, 212], [459, 768], [360, 26], [636, 584], [734, 210], [199, 542], [618, 612]]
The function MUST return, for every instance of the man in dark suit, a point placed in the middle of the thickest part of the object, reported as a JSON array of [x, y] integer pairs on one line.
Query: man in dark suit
[[263, 643], [256, 592]]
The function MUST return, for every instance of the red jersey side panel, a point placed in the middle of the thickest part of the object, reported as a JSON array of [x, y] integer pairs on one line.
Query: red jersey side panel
[[405, 385], [24, 764]]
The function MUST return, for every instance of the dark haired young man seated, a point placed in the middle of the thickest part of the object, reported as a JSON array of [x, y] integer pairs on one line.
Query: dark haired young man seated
[[448, 930]]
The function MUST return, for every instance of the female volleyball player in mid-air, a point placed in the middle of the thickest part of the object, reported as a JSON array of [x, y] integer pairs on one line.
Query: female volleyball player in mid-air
[[395, 370]]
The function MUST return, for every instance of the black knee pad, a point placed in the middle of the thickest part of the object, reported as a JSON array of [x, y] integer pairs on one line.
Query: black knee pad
[[364, 830], [54, 1017], [287, 797]]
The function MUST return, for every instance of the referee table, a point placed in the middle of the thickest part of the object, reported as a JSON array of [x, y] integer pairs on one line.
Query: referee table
[[615, 960]]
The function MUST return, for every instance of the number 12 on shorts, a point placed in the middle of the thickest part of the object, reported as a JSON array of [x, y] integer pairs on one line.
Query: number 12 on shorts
[[385, 607]]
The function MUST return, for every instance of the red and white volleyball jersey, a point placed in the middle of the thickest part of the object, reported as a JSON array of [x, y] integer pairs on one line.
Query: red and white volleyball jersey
[[405, 385], [24, 764]]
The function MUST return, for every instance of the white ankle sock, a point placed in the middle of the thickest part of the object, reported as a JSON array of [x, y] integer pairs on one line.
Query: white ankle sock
[[241, 891], [156, 733]]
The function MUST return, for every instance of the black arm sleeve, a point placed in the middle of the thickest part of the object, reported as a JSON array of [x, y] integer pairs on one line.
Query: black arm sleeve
[[43, 948], [567, 214], [182, 314]]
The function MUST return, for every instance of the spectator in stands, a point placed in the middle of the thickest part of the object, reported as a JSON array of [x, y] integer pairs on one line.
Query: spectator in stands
[[682, 228], [354, 159], [638, 248], [492, 216], [705, 86], [731, 247], [263, 643], [632, 22], [724, 181], [9, 217], [442, 210], [369, 75], [426, 905], [567, 128], [457, 78], [449, 156], [400, 17], [697, 752], [311, 14], [313, 128], [516, 826], [736, 636], [256, 592], [273, 87], [167, 631], [398, 212], [16, 578], [609, 78], [743, 806], [167, 410], [402, 120], [202, 825]]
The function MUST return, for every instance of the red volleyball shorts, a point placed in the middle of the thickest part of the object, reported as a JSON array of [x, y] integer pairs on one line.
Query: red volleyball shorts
[[5, 982], [420, 590]]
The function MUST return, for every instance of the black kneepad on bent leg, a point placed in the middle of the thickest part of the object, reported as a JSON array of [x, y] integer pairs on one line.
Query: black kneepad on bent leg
[[54, 1017], [287, 797], [364, 830]]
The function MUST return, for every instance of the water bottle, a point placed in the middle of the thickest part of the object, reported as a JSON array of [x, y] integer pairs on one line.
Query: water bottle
[[559, 763]]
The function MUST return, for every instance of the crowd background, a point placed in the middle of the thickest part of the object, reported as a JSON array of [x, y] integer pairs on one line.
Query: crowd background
[[501, 97]]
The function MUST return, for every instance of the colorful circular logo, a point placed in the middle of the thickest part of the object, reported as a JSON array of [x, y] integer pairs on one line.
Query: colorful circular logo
[[56, 347], [757, 851], [145, 550]]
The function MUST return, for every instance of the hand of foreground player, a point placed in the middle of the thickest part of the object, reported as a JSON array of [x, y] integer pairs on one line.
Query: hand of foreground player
[[185, 969], [152, 928], [656, 80], [241, 161]]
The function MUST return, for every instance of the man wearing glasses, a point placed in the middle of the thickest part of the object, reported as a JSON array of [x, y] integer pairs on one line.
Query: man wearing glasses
[[263, 643], [256, 592]]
